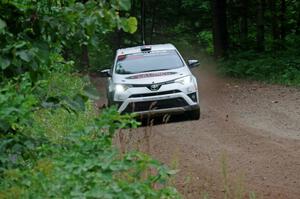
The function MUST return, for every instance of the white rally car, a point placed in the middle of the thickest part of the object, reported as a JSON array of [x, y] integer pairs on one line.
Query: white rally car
[[152, 80]]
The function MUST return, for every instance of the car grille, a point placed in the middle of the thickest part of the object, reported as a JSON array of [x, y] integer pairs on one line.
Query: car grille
[[154, 94], [155, 105]]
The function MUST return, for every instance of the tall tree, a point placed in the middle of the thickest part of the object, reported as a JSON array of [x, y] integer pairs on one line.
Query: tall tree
[[298, 24], [260, 26], [153, 20], [274, 19], [85, 61], [282, 19], [244, 23], [220, 32]]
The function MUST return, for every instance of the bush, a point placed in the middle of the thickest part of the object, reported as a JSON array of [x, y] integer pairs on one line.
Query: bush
[[53, 143], [63, 152], [85, 164], [16, 104], [280, 67], [205, 39]]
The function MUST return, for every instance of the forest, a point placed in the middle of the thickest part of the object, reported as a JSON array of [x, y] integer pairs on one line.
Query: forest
[[233, 31], [54, 142]]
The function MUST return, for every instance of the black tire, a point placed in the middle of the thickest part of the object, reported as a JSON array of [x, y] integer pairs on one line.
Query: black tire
[[194, 114]]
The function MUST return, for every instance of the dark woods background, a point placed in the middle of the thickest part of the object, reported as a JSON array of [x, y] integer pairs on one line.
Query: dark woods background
[[235, 24], [257, 39]]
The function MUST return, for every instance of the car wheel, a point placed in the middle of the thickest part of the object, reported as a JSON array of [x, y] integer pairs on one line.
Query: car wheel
[[194, 114]]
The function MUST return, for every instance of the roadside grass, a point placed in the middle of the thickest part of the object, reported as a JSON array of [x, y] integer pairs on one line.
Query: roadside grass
[[236, 189], [58, 124]]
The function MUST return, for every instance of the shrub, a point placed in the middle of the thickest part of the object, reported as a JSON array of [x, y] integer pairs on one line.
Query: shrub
[[205, 39], [63, 152], [16, 104], [86, 165], [279, 67]]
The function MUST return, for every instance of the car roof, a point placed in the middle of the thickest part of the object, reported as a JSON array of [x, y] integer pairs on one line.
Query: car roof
[[137, 49]]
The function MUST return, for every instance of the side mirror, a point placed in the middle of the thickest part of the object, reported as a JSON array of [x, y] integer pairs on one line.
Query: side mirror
[[105, 73], [193, 63]]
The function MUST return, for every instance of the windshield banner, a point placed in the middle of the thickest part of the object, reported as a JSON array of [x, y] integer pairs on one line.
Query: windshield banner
[[146, 75]]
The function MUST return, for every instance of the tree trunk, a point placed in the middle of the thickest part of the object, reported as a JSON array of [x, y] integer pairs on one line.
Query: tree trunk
[[282, 19], [260, 35], [155, 2], [274, 24], [298, 24], [220, 32], [85, 56], [143, 22], [133, 8], [244, 23]]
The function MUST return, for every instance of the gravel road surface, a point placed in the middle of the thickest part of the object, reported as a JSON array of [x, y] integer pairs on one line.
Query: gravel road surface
[[248, 131]]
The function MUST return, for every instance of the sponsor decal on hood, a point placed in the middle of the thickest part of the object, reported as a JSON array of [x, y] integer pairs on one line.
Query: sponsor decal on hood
[[146, 75]]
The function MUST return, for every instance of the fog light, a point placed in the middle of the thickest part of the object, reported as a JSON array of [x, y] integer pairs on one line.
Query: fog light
[[193, 96]]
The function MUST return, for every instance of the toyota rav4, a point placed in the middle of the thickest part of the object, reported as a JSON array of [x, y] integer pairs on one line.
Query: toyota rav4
[[152, 80]]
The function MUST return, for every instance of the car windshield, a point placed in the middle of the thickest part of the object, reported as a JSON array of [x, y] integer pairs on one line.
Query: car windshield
[[148, 61]]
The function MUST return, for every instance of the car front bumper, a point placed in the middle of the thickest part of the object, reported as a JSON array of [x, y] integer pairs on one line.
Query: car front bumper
[[160, 104], [169, 98], [159, 112]]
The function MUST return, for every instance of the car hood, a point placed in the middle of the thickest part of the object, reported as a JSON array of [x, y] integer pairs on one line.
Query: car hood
[[151, 77]]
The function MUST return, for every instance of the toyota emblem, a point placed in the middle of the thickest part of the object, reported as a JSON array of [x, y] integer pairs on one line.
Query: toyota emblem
[[154, 86]]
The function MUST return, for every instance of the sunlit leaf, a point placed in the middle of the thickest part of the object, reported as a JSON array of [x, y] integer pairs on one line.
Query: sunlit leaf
[[131, 25]]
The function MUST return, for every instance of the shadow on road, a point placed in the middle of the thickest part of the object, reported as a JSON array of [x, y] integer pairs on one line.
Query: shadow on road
[[166, 119]]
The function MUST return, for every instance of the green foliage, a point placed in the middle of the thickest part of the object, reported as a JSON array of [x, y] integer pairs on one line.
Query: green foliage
[[80, 161], [72, 153], [53, 143], [45, 28], [66, 90], [16, 104], [131, 25], [205, 39], [280, 67], [100, 58]]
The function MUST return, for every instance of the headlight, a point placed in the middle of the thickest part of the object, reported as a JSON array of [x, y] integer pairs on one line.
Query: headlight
[[184, 80], [119, 88]]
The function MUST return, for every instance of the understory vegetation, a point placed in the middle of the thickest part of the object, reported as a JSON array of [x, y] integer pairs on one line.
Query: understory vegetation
[[279, 63], [274, 67], [54, 143]]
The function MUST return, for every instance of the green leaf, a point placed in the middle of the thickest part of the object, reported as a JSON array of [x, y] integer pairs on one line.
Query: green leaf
[[19, 44], [132, 25], [2, 24], [24, 55], [125, 5], [4, 63]]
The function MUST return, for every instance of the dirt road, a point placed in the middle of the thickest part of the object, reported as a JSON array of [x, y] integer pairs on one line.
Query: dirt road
[[249, 129]]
